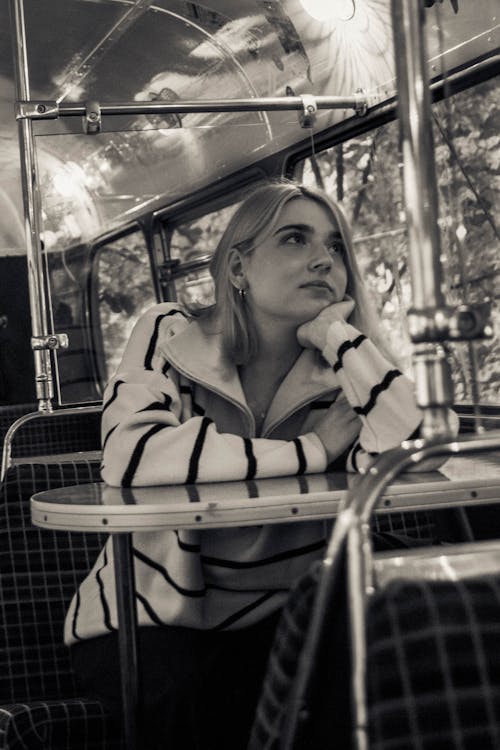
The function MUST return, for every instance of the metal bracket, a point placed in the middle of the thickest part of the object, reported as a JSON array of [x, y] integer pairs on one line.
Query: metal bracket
[[50, 342], [166, 270], [433, 381], [462, 323], [361, 106], [40, 110], [307, 117], [92, 118]]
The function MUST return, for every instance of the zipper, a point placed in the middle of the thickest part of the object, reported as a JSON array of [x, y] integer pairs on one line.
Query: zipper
[[242, 407], [196, 379]]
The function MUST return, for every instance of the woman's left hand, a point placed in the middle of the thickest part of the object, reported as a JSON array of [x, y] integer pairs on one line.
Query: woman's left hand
[[312, 335]]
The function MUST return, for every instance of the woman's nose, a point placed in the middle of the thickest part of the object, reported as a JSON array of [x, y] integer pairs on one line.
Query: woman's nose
[[321, 258]]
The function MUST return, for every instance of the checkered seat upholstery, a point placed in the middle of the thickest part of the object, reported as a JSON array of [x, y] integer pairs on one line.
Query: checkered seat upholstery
[[62, 431], [432, 669], [39, 703]]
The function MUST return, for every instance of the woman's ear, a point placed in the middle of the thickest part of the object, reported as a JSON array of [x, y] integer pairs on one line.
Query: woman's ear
[[235, 267]]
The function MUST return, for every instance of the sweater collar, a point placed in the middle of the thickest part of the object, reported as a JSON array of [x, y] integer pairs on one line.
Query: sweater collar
[[198, 353]]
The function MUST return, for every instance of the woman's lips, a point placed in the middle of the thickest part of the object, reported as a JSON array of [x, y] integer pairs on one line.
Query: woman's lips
[[318, 285]]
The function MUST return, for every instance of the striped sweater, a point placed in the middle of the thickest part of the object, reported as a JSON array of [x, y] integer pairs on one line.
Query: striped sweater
[[175, 413]]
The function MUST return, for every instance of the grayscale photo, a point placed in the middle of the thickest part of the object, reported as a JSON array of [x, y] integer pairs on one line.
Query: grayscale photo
[[250, 375]]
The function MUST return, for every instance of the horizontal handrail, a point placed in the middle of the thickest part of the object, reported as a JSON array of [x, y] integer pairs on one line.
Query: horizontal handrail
[[48, 109]]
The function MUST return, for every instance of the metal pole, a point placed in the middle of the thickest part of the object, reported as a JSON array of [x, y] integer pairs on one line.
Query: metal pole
[[306, 105], [31, 199], [127, 636], [432, 372]]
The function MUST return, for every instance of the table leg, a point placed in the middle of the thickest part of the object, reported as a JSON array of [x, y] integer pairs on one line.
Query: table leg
[[127, 634]]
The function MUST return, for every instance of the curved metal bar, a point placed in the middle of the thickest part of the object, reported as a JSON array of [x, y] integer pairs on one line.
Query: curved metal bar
[[361, 502], [363, 497], [351, 539], [329, 576], [9, 435]]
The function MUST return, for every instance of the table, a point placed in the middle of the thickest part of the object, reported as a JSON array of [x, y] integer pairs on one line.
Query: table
[[465, 480], [462, 481]]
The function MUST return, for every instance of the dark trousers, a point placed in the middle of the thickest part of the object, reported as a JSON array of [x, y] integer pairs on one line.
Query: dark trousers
[[198, 689]]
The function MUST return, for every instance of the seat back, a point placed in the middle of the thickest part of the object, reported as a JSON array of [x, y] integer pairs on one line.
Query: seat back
[[420, 526], [40, 571], [62, 431], [433, 664], [432, 658]]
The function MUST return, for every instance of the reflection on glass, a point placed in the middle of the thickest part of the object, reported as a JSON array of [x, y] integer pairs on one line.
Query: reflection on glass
[[195, 289], [125, 291], [191, 241]]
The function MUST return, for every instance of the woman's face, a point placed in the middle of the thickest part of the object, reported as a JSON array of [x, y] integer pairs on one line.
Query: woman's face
[[299, 269]]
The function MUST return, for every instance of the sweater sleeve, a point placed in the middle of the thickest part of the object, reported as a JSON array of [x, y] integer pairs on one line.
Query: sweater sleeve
[[146, 443], [378, 392]]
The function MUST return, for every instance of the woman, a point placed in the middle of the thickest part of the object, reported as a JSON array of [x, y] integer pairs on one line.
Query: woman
[[283, 375]]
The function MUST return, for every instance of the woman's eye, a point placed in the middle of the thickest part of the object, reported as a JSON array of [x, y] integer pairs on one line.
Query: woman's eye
[[336, 247], [295, 238]]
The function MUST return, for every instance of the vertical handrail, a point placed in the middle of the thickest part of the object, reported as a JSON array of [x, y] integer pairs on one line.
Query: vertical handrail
[[434, 388], [32, 213], [417, 145]]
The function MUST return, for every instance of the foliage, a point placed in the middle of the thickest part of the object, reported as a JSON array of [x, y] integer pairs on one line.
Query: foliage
[[366, 173], [125, 292]]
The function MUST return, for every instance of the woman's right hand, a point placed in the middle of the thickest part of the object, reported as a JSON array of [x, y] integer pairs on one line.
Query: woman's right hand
[[338, 428], [313, 334]]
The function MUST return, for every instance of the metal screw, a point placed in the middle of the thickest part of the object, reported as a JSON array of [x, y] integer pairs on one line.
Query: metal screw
[[40, 108], [466, 321], [92, 115]]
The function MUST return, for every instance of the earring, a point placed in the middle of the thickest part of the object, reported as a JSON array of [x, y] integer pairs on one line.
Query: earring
[[242, 292]]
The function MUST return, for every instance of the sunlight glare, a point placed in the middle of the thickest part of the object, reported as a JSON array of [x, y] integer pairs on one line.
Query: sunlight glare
[[328, 10]]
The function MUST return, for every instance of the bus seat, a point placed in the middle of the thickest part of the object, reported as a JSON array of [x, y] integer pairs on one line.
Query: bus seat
[[46, 434], [421, 526], [39, 704], [331, 674], [283, 665], [432, 666]]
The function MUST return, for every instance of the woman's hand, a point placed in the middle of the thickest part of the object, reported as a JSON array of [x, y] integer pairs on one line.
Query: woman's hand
[[312, 335], [338, 428]]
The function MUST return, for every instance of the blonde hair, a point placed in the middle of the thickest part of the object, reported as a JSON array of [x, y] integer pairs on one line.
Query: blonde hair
[[250, 225]]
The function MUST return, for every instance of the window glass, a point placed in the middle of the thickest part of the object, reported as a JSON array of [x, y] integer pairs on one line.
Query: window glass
[[365, 175], [193, 243], [125, 291], [76, 367]]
